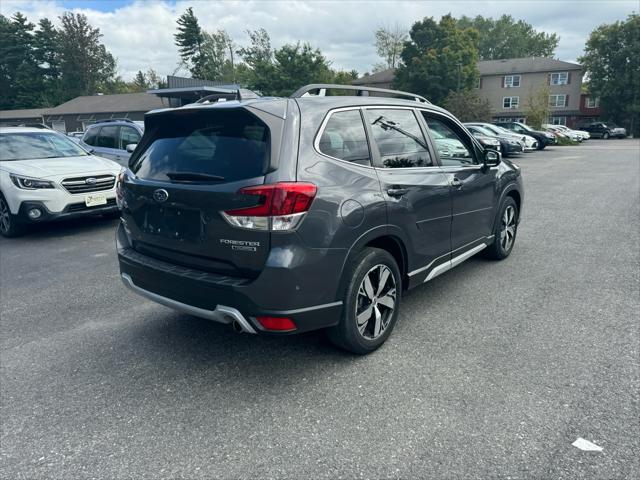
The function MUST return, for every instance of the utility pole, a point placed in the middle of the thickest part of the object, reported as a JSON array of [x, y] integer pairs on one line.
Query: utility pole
[[459, 73]]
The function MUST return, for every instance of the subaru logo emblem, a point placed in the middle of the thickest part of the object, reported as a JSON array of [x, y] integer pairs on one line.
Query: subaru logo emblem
[[90, 181], [160, 195]]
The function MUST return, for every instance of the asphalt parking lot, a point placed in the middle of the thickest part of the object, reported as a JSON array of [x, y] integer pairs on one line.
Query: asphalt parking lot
[[493, 370]]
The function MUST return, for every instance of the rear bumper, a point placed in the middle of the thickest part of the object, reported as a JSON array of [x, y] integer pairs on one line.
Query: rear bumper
[[223, 298]]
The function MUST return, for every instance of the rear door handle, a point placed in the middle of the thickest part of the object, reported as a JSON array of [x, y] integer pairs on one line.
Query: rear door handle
[[456, 182], [397, 192]]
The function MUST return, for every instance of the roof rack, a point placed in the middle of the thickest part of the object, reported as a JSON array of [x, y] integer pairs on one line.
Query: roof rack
[[322, 88], [107, 120]]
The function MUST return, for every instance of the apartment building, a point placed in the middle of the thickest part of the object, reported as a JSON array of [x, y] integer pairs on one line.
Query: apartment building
[[511, 84]]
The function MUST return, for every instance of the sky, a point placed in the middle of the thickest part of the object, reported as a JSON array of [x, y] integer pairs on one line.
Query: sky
[[139, 33]]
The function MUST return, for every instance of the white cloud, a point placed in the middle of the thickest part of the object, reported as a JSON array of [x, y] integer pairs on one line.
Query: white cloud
[[140, 35]]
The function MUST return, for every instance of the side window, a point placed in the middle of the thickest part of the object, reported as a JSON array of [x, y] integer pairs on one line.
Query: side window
[[108, 137], [344, 137], [452, 147], [128, 135], [91, 136], [399, 139]]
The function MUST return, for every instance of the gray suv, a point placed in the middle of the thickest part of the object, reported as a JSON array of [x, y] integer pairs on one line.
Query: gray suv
[[114, 139], [285, 215]]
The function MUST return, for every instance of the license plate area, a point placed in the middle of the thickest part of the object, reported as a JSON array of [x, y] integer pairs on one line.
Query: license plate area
[[95, 199], [175, 223]]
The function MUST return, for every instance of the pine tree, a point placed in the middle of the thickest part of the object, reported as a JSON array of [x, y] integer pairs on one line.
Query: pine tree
[[190, 42]]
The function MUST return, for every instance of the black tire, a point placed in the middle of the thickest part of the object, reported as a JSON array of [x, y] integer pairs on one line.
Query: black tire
[[541, 145], [10, 225], [605, 136], [347, 334], [500, 248]]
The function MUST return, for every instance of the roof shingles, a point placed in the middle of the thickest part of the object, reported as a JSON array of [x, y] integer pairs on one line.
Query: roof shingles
[[525, 65], [121, 102]]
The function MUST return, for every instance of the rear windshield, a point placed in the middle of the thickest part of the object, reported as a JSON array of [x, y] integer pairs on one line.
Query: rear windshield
[[231, 144]]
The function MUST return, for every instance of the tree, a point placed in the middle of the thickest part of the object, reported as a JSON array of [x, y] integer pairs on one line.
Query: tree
[[537, 106], [508, 38], [296, 65], [344, 78], [217, 52], [85, 63], [468, 107], [20, 79], [438, 58], [612, 63], [389, 43], [154, 80], [258, 58], [190, 42], [140, 83]]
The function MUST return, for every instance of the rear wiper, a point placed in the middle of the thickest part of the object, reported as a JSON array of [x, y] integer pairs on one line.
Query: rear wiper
[[194, 177]]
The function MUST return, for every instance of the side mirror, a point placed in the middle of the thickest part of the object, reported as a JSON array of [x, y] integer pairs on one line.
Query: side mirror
[[491, 158], [131, 147]]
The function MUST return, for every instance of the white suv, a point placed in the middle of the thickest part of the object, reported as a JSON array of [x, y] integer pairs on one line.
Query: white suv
[[46, 176]]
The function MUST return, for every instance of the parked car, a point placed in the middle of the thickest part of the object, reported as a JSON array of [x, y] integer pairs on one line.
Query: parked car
[[543, 138], [75, 136], [284, 215], [448, 147], [530, 143], [113, 138], [554, 129], [581, 134], [604, 130], [509, 145], [46, 176]]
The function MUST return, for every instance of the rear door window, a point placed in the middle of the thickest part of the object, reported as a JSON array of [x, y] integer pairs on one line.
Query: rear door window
[[399, 139], [108, 137], [344, 138], [128, 135], [230, 143], [91, 137]]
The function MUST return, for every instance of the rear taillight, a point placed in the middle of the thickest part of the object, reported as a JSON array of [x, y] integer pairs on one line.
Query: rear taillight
[[281, 206]]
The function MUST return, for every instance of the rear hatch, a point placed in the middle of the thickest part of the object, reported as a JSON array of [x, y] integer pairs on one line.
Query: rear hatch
[[188, 169]]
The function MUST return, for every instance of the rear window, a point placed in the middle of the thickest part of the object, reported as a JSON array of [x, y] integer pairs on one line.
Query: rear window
[[229, 143]]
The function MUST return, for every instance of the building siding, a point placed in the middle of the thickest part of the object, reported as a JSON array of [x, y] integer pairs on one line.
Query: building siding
[[492, 89]]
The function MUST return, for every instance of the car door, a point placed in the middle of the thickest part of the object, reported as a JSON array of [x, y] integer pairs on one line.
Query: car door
[[472, 185], [128, 136], [415, 188], [599, 129]]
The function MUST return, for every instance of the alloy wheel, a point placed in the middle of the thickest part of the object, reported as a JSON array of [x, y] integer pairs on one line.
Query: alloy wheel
[[508, 230], [5, 219], [376, 302]]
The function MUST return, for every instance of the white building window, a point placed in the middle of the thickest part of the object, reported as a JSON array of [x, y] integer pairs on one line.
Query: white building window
[[560, 78], [510, 119], [557, 100], [593, 102], [59, 126], [510, 102], [558, 120], [511, 81]]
